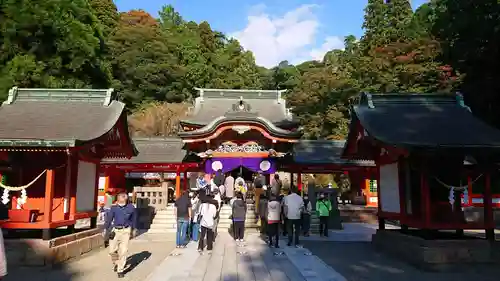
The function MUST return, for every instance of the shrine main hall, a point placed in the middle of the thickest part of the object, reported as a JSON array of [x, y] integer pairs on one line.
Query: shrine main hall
[[239, 132]]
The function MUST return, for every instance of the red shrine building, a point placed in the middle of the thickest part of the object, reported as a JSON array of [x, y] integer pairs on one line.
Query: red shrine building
[[429, 150], [51, 145], [238, 132]]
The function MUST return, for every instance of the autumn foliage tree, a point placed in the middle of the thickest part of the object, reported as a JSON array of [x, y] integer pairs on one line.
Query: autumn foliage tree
[[157, 119]]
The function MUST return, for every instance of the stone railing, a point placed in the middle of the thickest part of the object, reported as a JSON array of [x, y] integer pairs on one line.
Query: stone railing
[[151, 196]]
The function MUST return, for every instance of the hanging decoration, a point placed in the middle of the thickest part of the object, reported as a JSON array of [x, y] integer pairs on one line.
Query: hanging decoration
[[265, 165], [19, 188], [249, 147]]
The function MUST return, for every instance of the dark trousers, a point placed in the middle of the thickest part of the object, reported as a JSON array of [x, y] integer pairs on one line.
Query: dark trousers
[[263, 225], [285, 226], [209, 233], [323, 225], [238, 229], [306, 223], [293, 231], [273, 232]]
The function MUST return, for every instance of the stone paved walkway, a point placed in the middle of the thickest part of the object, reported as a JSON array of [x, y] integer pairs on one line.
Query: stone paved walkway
[[146, 253], [345, 256], [250, 261]]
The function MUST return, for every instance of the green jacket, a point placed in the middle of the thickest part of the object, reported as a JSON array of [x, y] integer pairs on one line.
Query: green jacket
[[323, 207]]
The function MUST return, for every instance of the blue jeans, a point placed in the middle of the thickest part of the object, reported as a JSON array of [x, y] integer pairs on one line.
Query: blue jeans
[[195, 231], [182, 226]]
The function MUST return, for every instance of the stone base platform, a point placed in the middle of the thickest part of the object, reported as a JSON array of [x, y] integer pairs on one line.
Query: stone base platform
[[37, 252], [436, 255], [355, 213]]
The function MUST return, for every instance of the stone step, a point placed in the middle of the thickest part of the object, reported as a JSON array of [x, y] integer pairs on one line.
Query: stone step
[[221, 225]]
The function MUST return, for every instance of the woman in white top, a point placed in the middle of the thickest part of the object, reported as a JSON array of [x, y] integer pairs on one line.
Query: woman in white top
[[208, 213], [195, 206]]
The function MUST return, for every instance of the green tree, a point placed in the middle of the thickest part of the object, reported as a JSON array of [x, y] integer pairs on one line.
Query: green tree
[[398, 19], [469, 32], [374, 24], [107, 14], [51, 43], [143, 64]]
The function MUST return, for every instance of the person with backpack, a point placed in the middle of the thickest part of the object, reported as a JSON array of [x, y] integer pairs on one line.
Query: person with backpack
[[293, 208], [273, 221], [323, 209], [306, 216], [239, 212], [241, 186], [207, 217], [263, 213], [276, 185], [258, 184]]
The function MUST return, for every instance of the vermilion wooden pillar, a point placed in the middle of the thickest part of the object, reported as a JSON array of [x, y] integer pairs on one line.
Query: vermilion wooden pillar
[[177, 184], [49, 196], [426, 204], [299, 183], [74, 183], [402, 191], [381, 220], [67, 186], [488, 210]]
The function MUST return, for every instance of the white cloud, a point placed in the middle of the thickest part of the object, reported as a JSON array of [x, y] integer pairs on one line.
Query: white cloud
[[287, 37], [331, 43]]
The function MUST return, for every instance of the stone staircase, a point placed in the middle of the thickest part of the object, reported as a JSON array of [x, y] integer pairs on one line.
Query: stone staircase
[[165, 221]]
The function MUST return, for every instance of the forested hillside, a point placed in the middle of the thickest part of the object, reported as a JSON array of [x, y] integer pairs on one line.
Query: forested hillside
[[155, 63]]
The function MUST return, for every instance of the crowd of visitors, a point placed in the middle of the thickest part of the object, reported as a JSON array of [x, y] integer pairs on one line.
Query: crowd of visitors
[[197, 212], [278, 213]]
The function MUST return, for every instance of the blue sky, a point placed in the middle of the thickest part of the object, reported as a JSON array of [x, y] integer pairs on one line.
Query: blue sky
[[274, 30]]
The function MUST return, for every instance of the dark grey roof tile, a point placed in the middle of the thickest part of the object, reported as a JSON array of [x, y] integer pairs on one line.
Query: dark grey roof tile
[[427, 121], [323, 152], [155, 150], [58, 114]]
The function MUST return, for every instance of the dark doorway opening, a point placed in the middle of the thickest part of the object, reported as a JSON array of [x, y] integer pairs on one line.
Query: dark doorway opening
[[246, 173]]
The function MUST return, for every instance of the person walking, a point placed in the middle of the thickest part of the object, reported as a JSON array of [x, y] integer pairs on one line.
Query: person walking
[[120, 227], [229, 188], [293, 207], [217, 198], [276, 185], [183, 214], [195, 210], [208, 214], [306, 216], [258, 184], [323, 209], [263, 213], [239, 213], [241, 186], [273, 221]]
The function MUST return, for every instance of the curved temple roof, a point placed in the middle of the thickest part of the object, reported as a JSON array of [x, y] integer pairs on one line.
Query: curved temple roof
[[155, 151], [245, 120], [58, 117], [213, 103], [424, 120]]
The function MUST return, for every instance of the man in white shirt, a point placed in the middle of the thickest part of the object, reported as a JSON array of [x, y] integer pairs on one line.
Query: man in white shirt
[[293, 207]]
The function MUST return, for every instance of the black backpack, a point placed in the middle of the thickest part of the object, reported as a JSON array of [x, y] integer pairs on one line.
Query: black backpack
[[219, 179]]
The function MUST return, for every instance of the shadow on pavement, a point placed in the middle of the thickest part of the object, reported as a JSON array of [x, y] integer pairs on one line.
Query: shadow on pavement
[[135, 259], [359, 261]]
